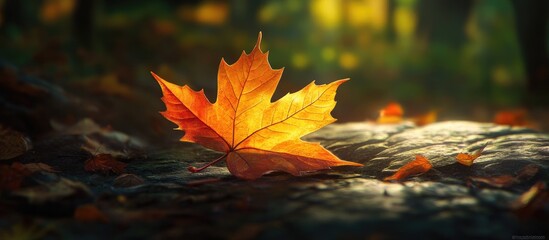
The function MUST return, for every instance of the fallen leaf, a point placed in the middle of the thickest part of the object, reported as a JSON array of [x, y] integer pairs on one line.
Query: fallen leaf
[[257, 136], [425, 119], [95, 147], [89, 213], [468, 159], [12, 143], [87, 127], [83, 127], [523, 175], [104, 163], [531, 201], [392, 113], [515, 117], [528, 172], [128, 180], [417, 167], [497, 181]]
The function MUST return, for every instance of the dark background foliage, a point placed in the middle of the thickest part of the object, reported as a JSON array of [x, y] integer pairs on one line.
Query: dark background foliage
[[465, 59]]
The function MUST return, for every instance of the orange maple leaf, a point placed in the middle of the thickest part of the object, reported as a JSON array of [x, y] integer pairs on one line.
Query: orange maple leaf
[[257, 136], [419, 166], [468, 159]]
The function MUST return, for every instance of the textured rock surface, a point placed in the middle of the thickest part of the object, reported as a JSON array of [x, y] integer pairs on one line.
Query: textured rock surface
[[337, 204]]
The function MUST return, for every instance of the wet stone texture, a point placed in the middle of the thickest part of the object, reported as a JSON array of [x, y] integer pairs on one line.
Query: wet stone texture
[[160, 199]]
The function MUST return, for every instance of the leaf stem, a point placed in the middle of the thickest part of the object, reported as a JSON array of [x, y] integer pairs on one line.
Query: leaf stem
[[195, 170]]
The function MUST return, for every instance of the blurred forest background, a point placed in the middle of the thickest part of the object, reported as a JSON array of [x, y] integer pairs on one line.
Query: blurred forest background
[[466, 59]]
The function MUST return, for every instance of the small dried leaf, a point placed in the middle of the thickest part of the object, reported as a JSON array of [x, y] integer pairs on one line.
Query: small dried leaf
[[128, 180], [89, 213], [12, 143], [392, 109], [104, 163], [524, 174], [468, 159], [417, 167], [95, 147], [392, 113], [528, 172], [83, 127], [425, 119], [497, 181], [87, 127]]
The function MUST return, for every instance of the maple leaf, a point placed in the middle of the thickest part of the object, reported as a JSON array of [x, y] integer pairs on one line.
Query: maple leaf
[[419, 166], [468, 159], [257, 136]]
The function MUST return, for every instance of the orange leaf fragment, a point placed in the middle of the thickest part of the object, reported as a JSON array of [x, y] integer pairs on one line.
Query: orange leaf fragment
[[428, 118], [89, 213], [497, 181], [104, 163], [515, 117], [392, 113], [468, 159], [257, 136], [417, 167]]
